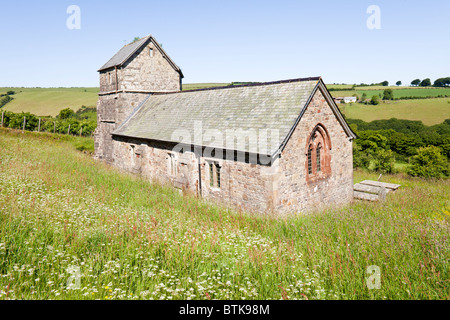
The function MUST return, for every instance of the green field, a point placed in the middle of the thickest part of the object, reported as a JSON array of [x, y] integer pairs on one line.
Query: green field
[[398, 92], [49, 101], [64, 216], [429, 111], [195, 86]]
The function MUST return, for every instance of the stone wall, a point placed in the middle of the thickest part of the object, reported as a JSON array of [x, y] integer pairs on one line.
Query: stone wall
[[143, 72], [112, 110], [284, 187], [293, 190], [108, 80], [243, 185], [151, 73]]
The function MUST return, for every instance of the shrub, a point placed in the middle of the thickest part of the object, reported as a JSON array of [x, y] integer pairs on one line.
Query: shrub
[[384, 161], [429, 163], [4, 100], [7, 115], [360, 159], [16, 121], [388, 94], [375, 100], [66, 114]]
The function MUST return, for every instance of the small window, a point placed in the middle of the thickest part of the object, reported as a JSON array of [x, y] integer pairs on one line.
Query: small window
[[214, 175], [218, 175], [318, 157], [310, 160], [150, 52], [172, 164], [211, 174]]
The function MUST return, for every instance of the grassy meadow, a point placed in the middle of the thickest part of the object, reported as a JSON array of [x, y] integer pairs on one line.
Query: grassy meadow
[[64, 216], [429, 111], [398, 93], [195, 86], [49, 101]]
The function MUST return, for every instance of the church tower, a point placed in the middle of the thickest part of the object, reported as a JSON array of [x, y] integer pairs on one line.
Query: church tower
[[126, 80]]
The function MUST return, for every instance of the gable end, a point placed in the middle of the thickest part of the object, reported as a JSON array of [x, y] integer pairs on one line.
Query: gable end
[[323, 89]]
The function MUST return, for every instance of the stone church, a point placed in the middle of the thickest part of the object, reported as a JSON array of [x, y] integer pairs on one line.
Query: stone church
[[280, 147]]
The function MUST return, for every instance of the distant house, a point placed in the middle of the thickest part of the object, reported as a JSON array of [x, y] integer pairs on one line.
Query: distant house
[[344, 99], [147, 125], [349, 99], [338, 99]]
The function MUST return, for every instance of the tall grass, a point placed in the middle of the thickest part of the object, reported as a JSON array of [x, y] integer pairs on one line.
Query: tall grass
[[134, 239]]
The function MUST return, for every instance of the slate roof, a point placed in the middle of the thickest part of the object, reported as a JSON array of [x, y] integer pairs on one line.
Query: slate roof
[[125, 53], [277, 105]]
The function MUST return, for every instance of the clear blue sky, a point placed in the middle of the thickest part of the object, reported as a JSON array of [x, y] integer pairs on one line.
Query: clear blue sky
[[224, 41]]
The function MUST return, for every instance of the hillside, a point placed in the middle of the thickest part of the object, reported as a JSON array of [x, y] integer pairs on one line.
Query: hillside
[[429, 111], [49, 101], [61, 212]]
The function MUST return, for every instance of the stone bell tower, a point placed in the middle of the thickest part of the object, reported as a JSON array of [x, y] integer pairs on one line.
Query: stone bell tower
[[127, 79]]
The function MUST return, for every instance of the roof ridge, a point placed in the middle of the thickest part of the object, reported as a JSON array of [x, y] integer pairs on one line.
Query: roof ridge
[[256, 84], [136, 41]]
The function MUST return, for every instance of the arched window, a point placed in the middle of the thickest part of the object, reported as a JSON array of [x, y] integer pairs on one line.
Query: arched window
[[318, 156], [319, 146], [310, 160]]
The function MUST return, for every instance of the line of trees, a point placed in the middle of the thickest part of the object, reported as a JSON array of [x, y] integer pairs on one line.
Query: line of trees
[[381, 142], [440, 82], [83, 122]]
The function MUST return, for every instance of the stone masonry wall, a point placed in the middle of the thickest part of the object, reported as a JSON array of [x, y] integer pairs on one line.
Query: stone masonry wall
[[282, 187], [142, 73], [293, 192], [243, 185], [151, 73]]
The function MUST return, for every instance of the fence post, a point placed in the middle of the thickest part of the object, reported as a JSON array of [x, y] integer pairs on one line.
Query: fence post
[[81, 131], [68, 130], [39, 127], [54, 126], [24, 122], [2, 117]]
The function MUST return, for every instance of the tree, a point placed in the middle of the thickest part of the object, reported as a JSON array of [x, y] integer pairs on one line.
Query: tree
[[375, 100], [425, 83], [388, 94], [429, 163], [136, 39], [363, 97], [385, 83], [415, 82], [66, 113], [442, 82], [398, 83], [383, 161]]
